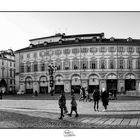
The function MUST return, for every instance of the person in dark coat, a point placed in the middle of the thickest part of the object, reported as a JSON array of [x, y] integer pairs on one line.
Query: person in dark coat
[[1, 94], [62, 104], [96, 98], [105, 98], [73, 106]]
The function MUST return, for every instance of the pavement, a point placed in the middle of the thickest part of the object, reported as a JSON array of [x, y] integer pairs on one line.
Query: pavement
[[121, 113]]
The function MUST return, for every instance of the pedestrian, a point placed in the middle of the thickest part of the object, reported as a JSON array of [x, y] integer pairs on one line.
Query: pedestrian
[[81, 94], [62, 104], [73, 106], [1, 94], [96, 98], [86, 94], [105, 98]]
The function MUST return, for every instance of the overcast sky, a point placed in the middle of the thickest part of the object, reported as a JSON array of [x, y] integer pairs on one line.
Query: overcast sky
[[17, 28]]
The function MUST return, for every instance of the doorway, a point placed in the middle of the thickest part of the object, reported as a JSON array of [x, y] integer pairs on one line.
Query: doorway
[[111, 84]]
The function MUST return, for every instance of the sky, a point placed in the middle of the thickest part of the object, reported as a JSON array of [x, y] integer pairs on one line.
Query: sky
[[17, 28]]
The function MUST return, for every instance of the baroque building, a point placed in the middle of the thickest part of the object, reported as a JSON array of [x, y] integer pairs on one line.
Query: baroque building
[[88, 60], [7, 71]]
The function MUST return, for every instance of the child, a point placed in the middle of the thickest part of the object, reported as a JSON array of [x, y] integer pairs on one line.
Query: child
[[73, 106]]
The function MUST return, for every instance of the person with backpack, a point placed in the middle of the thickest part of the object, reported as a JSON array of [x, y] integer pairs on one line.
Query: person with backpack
[[96, 98]]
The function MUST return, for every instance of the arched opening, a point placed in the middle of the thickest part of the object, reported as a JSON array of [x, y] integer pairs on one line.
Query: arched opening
[[3, 85], [130, 82], [93, 83], [43, 85], [111, 82], [59, 84], [29, 85], [76, 83]]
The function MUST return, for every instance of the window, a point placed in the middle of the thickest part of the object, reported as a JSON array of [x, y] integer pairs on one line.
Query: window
[[35, 54], [93, 50], [130, 49], [102, 49], [75, 50], [11, 73], [58, 52], [10, 82], [66, 51], [129, 64], [42, 67], [111, 49], [120, 49], [75, 64], [138, 63], [84, 50], [28, 55], [58, 64], [93, 64], [121, 64], [66, 65], [21, 57], [35, 67], [112, 64], [84, 64], [138, 49], [22, 68], [28, 67], [10, 64], [103, 64]]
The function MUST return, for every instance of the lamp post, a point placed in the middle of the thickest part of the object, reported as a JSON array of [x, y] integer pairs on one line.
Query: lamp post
[[51, 70]]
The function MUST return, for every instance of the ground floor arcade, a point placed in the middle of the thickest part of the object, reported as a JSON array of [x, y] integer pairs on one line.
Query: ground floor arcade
[[111, 81]]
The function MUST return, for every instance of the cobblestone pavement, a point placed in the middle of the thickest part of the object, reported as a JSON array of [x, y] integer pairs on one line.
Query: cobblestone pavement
[[120, 113]]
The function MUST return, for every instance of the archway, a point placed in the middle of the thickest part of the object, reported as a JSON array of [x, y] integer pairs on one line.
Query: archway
[[29, 85], [93, 83], [76, 83], [111, 82], [3, 85], [130, 82], [59, 84], [43, 85]]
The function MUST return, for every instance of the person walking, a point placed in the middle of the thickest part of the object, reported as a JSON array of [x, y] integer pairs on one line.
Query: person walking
[[73, 106], [105, 98], [62, 104], [96, 98], [1, 94], [86, 94], [81, 94]]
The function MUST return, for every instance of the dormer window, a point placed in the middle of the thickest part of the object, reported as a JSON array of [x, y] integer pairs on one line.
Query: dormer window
[[94, 39], [31, 45], [112, 39], [76, 40], [45, 43], [129, 39], [60, 41]]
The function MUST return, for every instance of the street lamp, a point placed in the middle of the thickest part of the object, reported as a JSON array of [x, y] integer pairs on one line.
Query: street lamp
[[51, 70]]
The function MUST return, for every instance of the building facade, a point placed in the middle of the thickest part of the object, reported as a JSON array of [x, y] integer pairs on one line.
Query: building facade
[[88, 60], [7, 71]]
